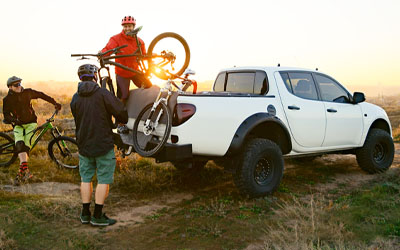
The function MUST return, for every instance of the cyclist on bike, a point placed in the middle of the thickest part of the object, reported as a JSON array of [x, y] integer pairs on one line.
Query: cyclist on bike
[[123, 76], [18, 111], [92, 108]]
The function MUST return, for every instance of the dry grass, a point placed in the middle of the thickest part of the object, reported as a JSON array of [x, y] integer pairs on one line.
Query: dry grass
[[5, 242], [306, 225]]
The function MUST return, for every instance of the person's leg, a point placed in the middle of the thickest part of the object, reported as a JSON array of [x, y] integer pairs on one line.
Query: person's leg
[[122, 93], [86, 192], [123, 88], [23, 157], [28, 131], [101, 193], [105, 175], [141, 81], [87, 169]]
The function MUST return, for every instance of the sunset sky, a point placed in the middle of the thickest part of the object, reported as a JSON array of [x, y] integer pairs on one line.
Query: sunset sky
[[356, 42]]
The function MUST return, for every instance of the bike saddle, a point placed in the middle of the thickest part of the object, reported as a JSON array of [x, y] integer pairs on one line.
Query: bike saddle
[[189, 72], [134, 32]]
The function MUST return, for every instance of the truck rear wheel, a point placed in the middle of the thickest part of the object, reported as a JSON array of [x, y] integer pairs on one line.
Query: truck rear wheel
[[377, 154], [260, 168]]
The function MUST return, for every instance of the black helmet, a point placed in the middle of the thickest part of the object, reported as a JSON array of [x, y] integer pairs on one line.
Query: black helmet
[[87, 70], [12, 80]]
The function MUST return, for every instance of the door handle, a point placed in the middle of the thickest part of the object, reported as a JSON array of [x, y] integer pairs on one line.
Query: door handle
[[293, 108], [331, 110]]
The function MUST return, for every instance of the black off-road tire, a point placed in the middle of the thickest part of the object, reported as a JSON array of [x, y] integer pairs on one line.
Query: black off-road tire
[[64, 157], [160, 142], [7, 155], [260, 168], [376, 156]]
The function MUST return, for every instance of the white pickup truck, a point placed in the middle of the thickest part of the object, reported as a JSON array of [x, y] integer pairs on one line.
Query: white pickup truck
[[255, 116]]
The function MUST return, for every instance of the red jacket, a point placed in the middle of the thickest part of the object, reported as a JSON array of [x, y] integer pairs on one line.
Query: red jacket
[[119, 40]]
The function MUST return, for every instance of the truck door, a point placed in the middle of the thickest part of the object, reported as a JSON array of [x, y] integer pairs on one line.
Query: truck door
[[344, 120], [305, 113]]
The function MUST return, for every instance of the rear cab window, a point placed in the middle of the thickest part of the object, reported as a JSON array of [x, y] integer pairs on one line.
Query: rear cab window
[[251, 82]]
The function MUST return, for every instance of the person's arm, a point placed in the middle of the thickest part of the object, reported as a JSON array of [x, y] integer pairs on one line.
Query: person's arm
[[112, 43], [37, 94], [8, 115], [115, 107]]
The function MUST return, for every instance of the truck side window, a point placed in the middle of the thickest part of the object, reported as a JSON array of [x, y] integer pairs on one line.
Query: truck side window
[[303, 85], [219, 85], [286, 80], [261, 83], [331, 91], [240, 82]]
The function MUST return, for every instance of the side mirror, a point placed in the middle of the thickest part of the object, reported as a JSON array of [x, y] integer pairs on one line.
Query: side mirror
[[358, 97]]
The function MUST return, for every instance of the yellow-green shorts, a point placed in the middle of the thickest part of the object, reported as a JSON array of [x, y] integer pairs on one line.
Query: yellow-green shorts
[[24, 133]]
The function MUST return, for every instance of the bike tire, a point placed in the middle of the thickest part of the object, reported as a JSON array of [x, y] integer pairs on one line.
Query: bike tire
[[183, 42], [149, 145], [7, 150], [67, 157]]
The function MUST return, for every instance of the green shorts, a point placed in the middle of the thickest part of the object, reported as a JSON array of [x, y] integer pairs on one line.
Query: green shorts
[[24, 133], [104, 166]]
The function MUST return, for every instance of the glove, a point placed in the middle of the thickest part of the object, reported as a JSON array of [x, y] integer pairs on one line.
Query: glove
[[57, 106]]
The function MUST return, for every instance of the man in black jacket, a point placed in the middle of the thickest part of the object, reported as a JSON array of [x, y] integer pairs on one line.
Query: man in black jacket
[[92, 108], [18, 111]]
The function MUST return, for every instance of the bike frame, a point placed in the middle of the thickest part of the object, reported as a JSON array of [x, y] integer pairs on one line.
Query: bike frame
[[44, 128]]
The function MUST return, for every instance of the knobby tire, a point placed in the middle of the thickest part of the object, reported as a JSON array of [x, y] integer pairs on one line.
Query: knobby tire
[[71, 158], [183, 42], [7, 153], [148, 150]]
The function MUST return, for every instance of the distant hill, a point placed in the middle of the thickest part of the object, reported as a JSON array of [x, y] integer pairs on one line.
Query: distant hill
[[50, 87]]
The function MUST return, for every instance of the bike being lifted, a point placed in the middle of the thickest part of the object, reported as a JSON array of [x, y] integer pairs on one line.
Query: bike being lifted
[[152, 126]]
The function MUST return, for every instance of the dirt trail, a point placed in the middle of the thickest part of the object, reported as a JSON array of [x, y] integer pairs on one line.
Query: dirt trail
[[136, 214], [125, 217]]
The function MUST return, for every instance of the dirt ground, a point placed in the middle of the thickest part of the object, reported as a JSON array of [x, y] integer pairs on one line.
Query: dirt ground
[[135, 213]]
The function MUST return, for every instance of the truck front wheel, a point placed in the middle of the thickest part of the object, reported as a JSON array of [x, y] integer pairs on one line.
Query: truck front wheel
[[377, 154], [260, 168]]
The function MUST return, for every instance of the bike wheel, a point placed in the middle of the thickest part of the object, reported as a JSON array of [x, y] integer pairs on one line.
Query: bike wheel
[[64, 151], [173, 42], [7, 150], [149, 139]]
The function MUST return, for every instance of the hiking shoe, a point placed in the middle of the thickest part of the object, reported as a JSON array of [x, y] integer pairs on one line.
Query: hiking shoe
[[85, 219], [102, 221], [18, 179], [27, 175], [122, 129]]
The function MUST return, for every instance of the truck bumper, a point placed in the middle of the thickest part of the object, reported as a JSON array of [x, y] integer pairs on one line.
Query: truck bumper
[[170, 152]]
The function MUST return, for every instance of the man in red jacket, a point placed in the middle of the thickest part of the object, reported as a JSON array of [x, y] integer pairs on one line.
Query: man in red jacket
[[124, 76]]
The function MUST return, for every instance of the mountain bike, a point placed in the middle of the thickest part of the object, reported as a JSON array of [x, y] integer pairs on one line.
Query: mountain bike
[[152, 127], [157, 61], [62, 150]]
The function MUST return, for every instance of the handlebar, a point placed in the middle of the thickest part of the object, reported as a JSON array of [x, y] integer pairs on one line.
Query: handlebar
[[51, 119]]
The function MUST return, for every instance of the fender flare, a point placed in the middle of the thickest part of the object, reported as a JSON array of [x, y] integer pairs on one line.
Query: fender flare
[[252, 122]]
